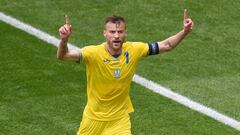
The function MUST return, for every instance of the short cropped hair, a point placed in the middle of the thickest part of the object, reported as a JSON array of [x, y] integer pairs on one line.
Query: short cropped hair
[[114, 19]]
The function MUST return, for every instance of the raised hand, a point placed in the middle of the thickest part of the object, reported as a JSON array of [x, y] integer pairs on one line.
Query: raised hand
[[65, 30], [187, 22]]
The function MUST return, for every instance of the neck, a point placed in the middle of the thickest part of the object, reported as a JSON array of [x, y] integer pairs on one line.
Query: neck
[[111, 51]]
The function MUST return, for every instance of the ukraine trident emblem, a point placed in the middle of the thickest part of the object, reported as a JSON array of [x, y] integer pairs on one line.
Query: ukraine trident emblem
[[117, 73]]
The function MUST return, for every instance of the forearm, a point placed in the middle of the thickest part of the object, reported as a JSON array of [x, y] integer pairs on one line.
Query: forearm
[[62, 52], [172, 42], [62, 48]]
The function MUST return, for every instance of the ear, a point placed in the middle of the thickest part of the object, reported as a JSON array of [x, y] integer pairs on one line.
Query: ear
[[104, 33]]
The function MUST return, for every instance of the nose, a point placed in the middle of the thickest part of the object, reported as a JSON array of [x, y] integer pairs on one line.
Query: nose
[[116, 35]]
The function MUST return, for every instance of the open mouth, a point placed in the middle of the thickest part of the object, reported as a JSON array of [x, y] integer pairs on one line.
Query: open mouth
[[117, 41]]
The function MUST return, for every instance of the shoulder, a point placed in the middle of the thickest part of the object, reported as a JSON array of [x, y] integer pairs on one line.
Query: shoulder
[[135, 44], [139, 49], [89, 52], [92, 48]]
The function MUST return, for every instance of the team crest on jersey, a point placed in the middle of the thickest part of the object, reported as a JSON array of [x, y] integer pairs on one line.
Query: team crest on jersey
[[106, 60], [117, 73]]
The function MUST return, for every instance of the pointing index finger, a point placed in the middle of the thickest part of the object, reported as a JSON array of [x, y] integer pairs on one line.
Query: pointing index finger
[[67, 20], [186, 14]]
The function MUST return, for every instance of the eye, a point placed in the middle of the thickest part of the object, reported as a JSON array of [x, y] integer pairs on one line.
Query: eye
[[120, 32], [112, 31]]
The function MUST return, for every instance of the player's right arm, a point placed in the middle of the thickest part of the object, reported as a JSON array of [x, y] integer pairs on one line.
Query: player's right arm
[[62, 52]]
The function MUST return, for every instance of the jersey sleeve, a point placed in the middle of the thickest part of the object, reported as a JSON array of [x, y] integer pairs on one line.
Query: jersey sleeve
[[88, 54], [141, 49]]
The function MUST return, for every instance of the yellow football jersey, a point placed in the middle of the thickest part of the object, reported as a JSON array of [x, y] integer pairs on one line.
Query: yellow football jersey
[[109, 79]]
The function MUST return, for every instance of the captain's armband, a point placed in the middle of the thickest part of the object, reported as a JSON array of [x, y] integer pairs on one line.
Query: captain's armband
[[153, 48]]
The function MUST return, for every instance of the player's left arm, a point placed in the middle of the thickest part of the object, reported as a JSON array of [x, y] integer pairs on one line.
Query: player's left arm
[[172, 42]]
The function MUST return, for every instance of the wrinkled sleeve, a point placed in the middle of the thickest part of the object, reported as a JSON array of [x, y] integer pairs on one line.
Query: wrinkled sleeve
[[141, 49], [88, 54]]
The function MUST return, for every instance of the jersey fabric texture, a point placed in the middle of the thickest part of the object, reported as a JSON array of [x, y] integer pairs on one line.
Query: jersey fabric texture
[[109, 79]]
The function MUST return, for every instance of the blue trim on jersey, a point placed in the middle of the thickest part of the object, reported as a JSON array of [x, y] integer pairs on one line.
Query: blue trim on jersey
[[127, 57], [116, 55]]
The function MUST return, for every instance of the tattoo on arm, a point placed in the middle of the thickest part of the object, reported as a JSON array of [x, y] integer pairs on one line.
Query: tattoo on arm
[[62, 49]]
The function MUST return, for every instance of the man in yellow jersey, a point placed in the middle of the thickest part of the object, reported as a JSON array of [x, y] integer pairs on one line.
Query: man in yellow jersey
[[110, 69]]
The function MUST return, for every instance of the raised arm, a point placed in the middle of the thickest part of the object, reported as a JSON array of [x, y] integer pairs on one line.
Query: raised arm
[[171, 42], [62, 52]]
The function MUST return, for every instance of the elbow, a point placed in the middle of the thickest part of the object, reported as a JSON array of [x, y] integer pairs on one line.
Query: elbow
[[169, 49], [59, 57], [166, 49], [59, 54]]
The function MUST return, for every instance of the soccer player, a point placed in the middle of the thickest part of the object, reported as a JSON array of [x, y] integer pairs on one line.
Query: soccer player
[[110, 69]]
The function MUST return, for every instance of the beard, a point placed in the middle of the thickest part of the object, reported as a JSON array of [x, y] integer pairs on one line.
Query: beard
[[115, 44]]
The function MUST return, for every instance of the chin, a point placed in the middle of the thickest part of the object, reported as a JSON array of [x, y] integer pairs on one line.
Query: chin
[[117, 46]]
